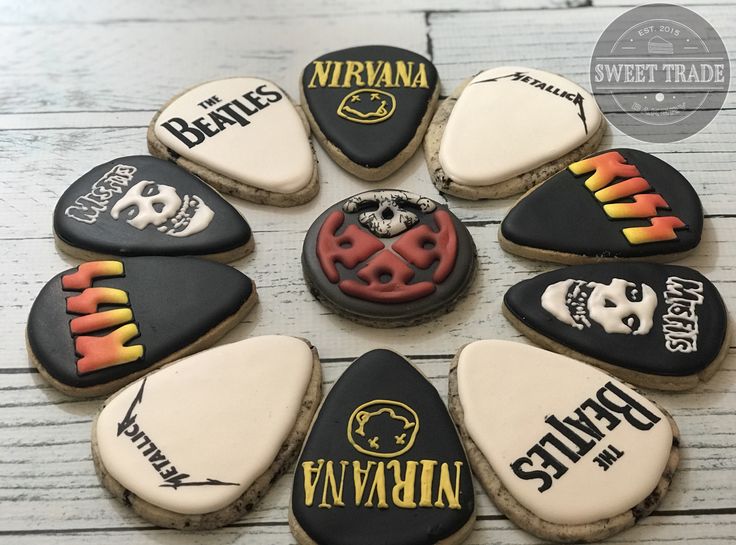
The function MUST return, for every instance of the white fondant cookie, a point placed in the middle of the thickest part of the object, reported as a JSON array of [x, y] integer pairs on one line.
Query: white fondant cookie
[[242, 135], [196, 444], [508, 129], [565, 450]]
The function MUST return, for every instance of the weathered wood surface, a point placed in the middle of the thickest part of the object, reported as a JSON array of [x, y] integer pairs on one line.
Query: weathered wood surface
[[80, 81]]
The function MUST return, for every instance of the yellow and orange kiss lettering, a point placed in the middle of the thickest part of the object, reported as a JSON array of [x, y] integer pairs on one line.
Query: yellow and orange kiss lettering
[[99, 352], [608, 167]]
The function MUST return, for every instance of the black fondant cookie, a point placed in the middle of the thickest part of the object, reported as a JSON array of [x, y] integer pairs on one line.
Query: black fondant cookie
[[241, 135], [97, 327], [388, 258], [564, 450], [619, 203], [369, 106], [660, 326], [196, 444], [382, 463], [141, 205]]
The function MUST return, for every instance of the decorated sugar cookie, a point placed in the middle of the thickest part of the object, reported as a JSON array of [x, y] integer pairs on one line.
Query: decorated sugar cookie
[[624, 203], [564, 450], [241, 135], [196, 444], [659, 326], [388, 258], [370, 106], [99, 326], [508, 129], [141, 205], [382, 463]]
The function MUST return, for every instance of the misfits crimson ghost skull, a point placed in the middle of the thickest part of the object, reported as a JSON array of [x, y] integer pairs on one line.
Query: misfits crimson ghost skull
[[150, 203], [618, 307], [388, 257]]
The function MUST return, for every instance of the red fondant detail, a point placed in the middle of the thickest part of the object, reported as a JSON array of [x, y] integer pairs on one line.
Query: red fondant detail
[[627, 188], [87, 272], [396, 290], [644, 206], [108, 350], [359, 246], [661, 229], [88, 301], [444, 246], [100, 320], [607, 166]]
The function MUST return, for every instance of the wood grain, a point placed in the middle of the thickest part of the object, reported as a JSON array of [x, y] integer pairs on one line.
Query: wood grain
[[80, 83]]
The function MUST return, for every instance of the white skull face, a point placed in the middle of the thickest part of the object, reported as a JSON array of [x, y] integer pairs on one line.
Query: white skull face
[[618, 307], [391, 217], [150, 203]]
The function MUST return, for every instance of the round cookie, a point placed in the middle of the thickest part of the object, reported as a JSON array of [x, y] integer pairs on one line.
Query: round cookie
[[564, 450], [382, 463], [627, 204], [508, 129], [141, 205], [196, 444], [370, 106], [388, 258], [658, 326], [241, 135], [100, 326]]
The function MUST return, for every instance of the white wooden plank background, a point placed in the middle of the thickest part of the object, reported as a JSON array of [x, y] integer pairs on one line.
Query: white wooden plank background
[[79, 82]]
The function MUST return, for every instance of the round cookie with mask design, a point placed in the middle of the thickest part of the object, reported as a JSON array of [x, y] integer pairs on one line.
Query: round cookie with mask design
[[196, 444], [141, 205], [388, 258], [564, 450], [241, 135], [508, 129]]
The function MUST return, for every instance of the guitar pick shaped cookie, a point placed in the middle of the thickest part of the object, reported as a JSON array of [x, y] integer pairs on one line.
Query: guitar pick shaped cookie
[[508, 129], [101, 325], [564, 450], [659, 326], [141, 205], [196, 444], [388, 258], [241, 135], [617, 204], [382, 463], [370, 106]]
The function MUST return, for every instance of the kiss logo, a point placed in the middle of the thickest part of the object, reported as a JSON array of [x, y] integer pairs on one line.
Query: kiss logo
[[611, 166], [98, 352], [648, 209]]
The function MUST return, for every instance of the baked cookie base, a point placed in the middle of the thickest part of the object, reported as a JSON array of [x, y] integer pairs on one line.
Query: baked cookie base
[[657, 382], [227, 185], [389, 322], [205, 341], [363, 172], [90, 255], [522, 517], [216, 519], [506, 188]]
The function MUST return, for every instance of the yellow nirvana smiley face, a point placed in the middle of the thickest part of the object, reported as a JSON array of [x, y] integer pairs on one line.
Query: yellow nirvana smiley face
[[383, 428], [367, 106]]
